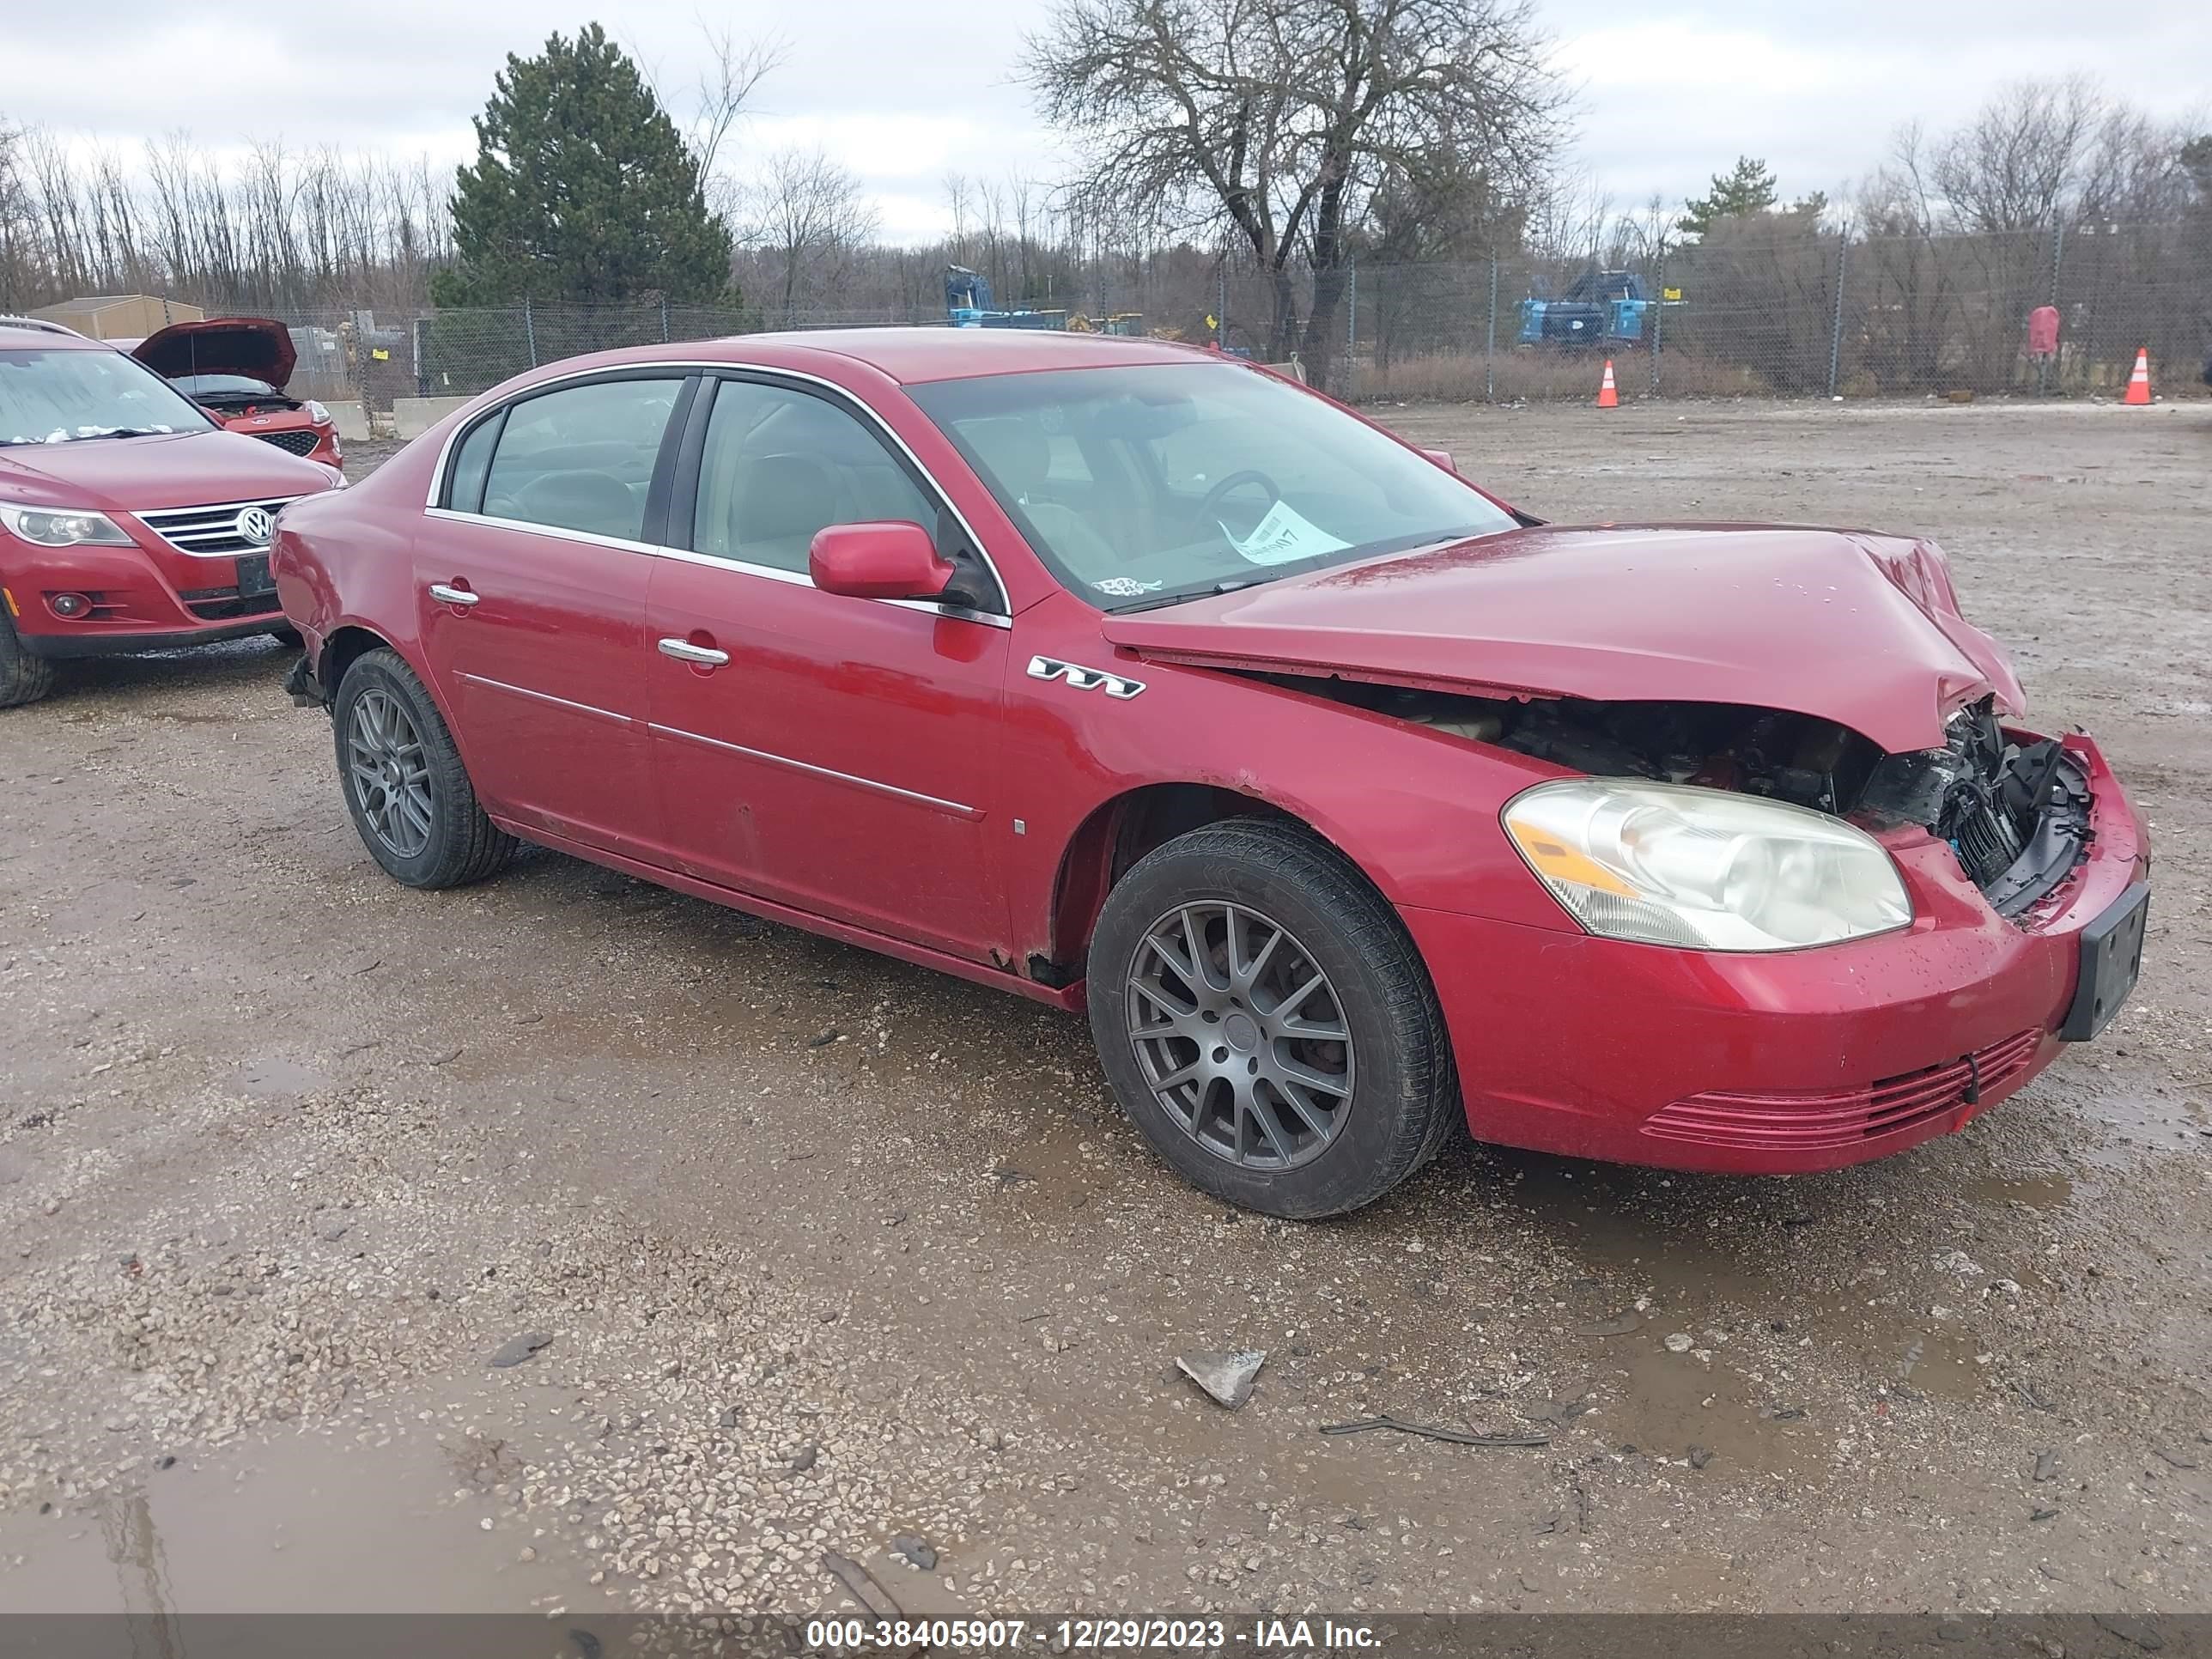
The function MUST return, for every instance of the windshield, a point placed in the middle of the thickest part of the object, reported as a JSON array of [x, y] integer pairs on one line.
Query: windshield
[[222, 385], [57, 397], [1143, 484]]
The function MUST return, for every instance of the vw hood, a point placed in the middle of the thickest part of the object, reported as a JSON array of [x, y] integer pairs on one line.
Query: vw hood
[[178, 469]]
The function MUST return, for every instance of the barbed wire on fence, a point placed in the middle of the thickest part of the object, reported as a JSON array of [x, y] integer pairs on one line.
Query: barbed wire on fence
[[1804, 312]]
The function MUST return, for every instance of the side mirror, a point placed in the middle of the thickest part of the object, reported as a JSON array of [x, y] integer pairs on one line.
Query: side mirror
[[883, 559], [1442, 458]]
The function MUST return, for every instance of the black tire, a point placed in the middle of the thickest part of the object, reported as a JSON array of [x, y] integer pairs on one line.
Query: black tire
[[23, 677], [1405, 1093], [461, 845]]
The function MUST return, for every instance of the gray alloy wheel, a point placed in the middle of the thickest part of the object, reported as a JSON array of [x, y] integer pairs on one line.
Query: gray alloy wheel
[[1266, 1022], [391, 773], [1241, 1035], [404, 785]]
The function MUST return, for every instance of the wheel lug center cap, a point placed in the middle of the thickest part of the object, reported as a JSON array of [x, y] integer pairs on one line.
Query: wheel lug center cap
[[1242, 1032]]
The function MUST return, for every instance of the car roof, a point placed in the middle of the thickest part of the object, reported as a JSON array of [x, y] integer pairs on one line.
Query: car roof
[[21, 333], [913, 356]]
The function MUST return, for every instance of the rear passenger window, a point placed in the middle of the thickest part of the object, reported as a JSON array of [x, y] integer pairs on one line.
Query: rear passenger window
[[580, 457], [464, 487], [779, 466]]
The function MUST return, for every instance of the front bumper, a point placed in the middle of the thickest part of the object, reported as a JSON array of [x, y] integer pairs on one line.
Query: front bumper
[[1777, 1063], [141, 600], [124, 644]]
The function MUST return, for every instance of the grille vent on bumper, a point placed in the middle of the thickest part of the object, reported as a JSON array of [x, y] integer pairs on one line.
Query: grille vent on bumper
[[210, 529], [226, 604], [1813, 1120], [301, 441]]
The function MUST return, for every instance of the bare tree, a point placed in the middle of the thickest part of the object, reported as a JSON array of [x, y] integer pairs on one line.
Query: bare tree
[[1276, 119], [733, 71], [810, 214], [2133, 172], [2018, 164]]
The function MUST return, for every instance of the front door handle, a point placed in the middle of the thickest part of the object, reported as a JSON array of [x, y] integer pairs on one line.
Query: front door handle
[[460, 595], [684, 651]]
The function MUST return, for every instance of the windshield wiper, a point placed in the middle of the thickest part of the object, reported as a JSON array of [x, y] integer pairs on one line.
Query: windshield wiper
[[1228, 585]]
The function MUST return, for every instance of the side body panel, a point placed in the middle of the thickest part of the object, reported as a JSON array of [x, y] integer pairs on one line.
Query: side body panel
[[845, 761], [545, 673]]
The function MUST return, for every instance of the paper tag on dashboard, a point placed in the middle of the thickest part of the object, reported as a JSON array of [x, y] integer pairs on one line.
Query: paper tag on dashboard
[[1283, 535]]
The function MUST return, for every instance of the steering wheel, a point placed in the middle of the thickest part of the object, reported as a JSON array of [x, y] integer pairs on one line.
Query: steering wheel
[[1219, 493]]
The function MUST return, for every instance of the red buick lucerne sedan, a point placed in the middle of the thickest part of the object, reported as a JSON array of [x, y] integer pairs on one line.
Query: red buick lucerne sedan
[[1351, 803], [129, 519]]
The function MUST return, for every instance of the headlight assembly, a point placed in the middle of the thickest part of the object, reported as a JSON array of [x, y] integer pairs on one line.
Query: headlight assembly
[[1703, 869], [317, 413], [44, 527]]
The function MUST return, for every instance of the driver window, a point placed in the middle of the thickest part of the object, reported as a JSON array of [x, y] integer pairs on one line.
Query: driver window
[[780, 465]]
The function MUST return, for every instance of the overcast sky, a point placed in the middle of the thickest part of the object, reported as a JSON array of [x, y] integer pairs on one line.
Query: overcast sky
[[904, 91]]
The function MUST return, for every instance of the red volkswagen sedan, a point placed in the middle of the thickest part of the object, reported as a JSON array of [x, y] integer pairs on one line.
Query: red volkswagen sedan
[[1350, 802]]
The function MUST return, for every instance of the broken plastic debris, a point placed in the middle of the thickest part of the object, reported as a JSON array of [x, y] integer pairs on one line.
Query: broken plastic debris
[[1227, 1377], [525, 1346], [1620, 1325]]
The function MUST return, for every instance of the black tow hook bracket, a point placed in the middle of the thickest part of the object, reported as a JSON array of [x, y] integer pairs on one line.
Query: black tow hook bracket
[[302, 686], [1973, 1080]]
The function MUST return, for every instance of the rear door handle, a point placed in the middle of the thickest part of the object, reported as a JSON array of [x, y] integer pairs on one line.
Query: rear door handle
[[684, 651], [460, 595]]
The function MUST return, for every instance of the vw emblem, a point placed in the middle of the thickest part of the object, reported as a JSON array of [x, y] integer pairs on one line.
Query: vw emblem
[[256, 525]]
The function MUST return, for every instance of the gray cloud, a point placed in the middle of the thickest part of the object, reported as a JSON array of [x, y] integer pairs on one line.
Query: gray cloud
[[901, 94]]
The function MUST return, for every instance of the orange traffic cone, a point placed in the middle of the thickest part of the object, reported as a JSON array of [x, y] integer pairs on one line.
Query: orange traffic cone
[[2138, 390], [1609, 397]]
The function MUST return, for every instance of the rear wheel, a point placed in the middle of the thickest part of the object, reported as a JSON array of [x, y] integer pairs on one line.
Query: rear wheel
[[1267, 1023], [410, 795], [23, 677]]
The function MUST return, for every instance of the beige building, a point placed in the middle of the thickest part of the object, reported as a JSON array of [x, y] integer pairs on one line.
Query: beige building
[[119, 316]]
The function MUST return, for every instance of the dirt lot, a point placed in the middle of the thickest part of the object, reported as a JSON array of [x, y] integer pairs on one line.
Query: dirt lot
[[832, 1251]]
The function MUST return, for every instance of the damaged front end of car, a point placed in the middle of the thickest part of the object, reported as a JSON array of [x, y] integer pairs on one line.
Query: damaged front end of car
[[2014, 809]]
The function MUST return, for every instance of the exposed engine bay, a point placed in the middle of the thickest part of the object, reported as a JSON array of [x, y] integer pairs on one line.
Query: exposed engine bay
[[2017, 816]]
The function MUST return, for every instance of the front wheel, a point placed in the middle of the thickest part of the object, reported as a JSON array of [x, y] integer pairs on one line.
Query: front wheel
[[410, 795], [1268, 1023], [23, 677]]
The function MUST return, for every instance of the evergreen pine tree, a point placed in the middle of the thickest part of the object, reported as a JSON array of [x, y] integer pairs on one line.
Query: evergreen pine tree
[[582, 189], [1748, 189]]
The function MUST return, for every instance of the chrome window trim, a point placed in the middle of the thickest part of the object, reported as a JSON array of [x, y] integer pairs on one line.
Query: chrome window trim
[[686, 556], [971, 813], [547, 696], [688, 367]]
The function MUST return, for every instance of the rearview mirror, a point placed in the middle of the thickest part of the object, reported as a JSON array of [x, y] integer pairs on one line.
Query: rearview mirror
[[883, 559]]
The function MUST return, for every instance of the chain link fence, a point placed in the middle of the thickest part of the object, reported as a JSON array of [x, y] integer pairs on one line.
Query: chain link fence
[[1816, 313], [1749, 311]]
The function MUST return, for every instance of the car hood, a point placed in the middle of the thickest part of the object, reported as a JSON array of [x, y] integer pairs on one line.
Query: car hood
[[183, 469], [1860, 628], [259, 348]]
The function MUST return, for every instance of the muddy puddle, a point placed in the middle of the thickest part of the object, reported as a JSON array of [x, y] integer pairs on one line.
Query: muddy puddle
[[381, 1520]]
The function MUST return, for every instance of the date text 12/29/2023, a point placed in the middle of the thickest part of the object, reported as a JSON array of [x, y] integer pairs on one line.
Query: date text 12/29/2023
[[1010, 1636]]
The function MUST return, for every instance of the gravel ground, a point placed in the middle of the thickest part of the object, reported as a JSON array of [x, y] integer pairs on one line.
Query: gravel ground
[[799, 1249]]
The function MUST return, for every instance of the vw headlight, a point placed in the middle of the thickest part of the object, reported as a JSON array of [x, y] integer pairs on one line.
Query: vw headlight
[[48, 527], [1703, 869]]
